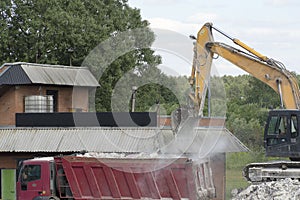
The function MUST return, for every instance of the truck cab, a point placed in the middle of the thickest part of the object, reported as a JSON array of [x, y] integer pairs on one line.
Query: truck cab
[[35, 179]]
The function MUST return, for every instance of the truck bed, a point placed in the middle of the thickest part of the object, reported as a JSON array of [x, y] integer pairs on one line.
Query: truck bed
[[92, 178]]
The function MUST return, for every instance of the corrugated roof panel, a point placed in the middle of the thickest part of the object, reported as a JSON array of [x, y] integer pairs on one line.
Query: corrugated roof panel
[[119, 140], [147, 140], [59, 75], [70, 141], [76, 139], [28, 73]]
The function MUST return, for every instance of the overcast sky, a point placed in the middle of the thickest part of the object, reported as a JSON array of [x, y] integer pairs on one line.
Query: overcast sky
[[271, 27]]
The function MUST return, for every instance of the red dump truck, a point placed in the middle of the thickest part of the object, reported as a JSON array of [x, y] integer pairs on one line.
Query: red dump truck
[[75, 177]]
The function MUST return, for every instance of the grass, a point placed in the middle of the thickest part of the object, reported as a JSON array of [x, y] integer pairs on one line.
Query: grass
[[234, 179], [235, 162]]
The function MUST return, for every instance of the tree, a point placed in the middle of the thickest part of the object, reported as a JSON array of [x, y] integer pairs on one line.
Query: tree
[[48, 31], [250, 133], [235, 88], [66, 31], [247, 107], [261, 94]]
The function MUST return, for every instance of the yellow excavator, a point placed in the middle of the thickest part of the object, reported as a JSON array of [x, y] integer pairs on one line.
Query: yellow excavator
[[282, 134]]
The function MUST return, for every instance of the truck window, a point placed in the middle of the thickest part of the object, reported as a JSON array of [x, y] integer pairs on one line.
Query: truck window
[[31, 173]]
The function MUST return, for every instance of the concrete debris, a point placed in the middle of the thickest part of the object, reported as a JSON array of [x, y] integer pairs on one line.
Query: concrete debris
[[285, 189], [123, 155]]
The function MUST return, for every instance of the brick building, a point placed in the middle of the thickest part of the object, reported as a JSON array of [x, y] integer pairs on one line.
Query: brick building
[[23, 85], [28, 87]]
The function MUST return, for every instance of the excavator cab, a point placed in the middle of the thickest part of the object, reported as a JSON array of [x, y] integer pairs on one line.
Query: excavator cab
[[281, 138]]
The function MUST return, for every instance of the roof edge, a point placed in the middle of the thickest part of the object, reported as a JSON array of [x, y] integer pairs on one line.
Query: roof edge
[[43, 65]]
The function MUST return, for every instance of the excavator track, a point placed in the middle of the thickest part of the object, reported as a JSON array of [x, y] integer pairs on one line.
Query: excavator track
[[271, 171]]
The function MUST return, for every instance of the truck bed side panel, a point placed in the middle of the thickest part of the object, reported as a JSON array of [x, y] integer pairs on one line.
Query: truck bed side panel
[[91, 178]]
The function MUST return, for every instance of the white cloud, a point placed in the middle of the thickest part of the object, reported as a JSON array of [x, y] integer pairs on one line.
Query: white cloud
[[174, 25], [223, 67], [155, 2], [202, 17], [277, 2]]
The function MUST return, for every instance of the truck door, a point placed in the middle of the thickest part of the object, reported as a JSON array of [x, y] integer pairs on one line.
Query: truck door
[[30, 183]]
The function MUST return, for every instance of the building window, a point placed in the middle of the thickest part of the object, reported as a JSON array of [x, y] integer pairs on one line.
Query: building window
[[54, 94]]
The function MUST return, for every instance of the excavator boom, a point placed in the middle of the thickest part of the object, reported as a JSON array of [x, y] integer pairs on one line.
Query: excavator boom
[[201, 70]]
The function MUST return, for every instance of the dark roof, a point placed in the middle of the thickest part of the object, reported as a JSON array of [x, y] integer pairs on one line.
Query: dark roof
[[31, 73]]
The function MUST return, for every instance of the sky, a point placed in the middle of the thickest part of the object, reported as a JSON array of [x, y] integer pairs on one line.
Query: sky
[[272, 27]]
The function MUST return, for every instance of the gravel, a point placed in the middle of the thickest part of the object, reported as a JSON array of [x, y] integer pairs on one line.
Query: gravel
[[285, 189]]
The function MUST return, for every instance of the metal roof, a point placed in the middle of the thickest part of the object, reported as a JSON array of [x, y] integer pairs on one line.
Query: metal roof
[[131, 140], [31, 73], [77, 139]]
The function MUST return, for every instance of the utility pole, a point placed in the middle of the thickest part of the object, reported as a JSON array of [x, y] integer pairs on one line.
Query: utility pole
[[134, 89]]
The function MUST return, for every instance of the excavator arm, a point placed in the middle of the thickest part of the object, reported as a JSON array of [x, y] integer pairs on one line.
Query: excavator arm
[[278, 78], [267, 70]]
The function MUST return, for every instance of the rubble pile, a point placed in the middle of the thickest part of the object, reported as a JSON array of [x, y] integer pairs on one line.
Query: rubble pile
[[274, 190]]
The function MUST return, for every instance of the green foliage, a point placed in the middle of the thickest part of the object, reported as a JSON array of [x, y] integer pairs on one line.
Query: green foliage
[[47, 31], [235, 88], [261, 94], [250, 133], [248, 102], [217, 97], [154, 89]]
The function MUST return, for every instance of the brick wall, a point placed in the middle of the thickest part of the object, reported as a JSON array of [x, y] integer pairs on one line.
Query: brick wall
[[71, 99], [12, 101], [7, 107]]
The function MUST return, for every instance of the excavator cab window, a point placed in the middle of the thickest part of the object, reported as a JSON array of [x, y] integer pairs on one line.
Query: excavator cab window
[[294, 127], [272, 125], [277, 125], [282, 130], [277, 130]]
